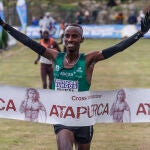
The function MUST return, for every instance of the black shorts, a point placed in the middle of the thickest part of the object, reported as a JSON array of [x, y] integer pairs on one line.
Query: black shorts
[[83, 135]]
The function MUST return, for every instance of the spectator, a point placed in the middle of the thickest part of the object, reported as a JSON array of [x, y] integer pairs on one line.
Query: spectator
[[78, 18], [86, 17], [94, 15], [119, 18], [102, 17], [140, 16], [132, 19], [35, 21], [45, 21], [48, 18], [52, 29]]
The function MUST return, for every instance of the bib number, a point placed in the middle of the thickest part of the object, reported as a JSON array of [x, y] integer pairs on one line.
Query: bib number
[[66, 85]]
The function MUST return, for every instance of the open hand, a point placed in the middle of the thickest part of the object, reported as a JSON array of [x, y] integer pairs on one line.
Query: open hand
[[145, 23]]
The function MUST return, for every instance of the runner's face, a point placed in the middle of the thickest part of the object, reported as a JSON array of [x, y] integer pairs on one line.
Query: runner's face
[[72, 38]]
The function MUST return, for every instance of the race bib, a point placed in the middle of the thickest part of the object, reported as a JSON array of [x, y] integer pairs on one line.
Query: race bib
[[66, 85]]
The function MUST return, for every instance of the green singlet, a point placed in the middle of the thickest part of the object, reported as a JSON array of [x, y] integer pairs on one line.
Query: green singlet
[[72, 79]]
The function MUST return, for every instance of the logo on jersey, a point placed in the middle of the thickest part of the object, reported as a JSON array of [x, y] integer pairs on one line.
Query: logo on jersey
[[57, 67], [79, 70]]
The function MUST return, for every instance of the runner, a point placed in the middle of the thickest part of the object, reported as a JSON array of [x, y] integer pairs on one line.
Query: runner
[[73, 72], [46, 65]]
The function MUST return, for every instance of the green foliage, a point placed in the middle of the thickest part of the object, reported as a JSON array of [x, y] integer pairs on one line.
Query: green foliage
[[66, 7]]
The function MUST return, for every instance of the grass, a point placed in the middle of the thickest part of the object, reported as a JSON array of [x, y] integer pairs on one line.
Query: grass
[[128, 69]]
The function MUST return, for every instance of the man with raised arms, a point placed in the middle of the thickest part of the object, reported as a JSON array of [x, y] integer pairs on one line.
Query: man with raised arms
[[73, 72]]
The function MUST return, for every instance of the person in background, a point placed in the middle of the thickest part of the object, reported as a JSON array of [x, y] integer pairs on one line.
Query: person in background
[[132, 19], [52, 29], [78, 17], [46, 64], [73, 72], [119, 18], [140, 16], [86, 17], [35, 21], [49, 18], [45, 22]]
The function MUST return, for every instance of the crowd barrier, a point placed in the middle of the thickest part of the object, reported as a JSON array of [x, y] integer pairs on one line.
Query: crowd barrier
[[89, 31], [94, 31]]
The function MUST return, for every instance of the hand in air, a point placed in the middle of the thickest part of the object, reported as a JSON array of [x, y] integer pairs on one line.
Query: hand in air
[[145, 23]]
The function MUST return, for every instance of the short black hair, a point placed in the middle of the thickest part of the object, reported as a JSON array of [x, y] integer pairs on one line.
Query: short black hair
[[75, 25]]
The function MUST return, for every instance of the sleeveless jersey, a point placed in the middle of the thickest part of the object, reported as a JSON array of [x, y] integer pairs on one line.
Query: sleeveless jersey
[[46, 45], [72, 79]]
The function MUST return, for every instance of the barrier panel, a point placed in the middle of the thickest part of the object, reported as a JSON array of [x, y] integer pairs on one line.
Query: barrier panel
[[94, 31]]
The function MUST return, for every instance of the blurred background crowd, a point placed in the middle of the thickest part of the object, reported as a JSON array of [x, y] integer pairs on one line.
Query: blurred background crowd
[[46, 14], [82, 12]]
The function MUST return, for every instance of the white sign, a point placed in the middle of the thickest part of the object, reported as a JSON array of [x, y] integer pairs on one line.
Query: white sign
[[75, 108]]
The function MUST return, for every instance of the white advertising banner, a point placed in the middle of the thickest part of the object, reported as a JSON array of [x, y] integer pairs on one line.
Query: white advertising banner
[[75, 108]]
